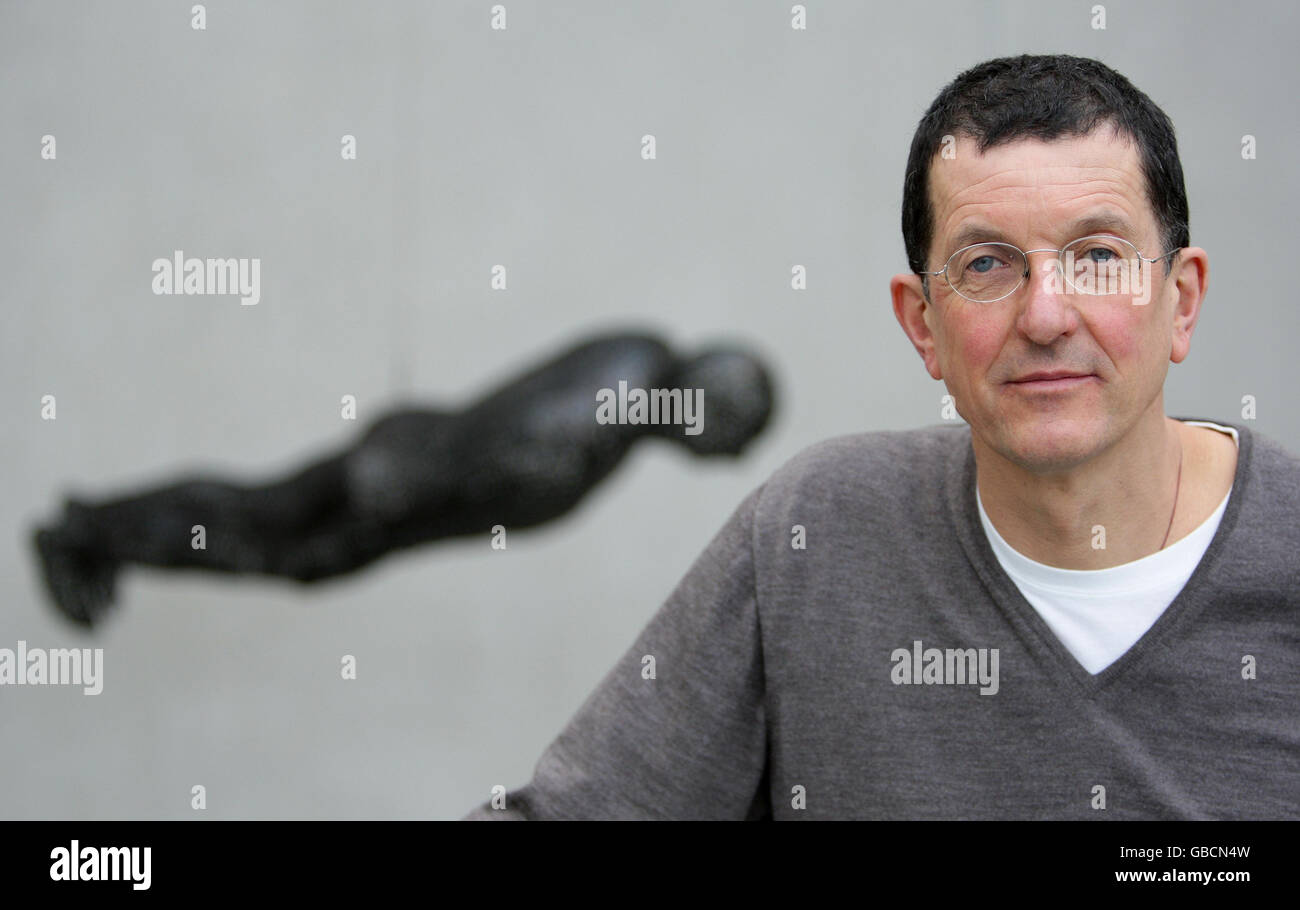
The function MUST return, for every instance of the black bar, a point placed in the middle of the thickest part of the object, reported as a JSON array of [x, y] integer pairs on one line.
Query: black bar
[[334, 859]]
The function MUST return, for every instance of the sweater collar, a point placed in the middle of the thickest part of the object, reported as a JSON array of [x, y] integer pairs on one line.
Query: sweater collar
[[963, 514]]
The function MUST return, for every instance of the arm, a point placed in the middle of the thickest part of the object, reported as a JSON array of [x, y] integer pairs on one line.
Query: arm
[[688, 744]]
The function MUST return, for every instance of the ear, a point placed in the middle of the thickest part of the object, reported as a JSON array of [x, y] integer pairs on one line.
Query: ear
[[1191, 279], [913, 312]]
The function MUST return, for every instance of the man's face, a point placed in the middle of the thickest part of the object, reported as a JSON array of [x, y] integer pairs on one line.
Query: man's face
[[1038, 195]]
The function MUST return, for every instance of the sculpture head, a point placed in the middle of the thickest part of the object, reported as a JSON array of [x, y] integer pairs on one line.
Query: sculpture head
[[738, 400]]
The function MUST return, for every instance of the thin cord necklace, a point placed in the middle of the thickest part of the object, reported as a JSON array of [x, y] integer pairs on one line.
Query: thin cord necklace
[[1177, 485]]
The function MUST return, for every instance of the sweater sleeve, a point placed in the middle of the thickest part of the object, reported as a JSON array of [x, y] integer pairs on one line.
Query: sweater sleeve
[[682, 736]]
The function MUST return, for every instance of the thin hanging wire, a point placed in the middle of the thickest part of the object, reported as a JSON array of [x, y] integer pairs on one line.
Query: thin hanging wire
[[404, 197]]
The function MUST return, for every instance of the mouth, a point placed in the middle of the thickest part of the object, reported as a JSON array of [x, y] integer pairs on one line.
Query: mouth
[[1052, 381]]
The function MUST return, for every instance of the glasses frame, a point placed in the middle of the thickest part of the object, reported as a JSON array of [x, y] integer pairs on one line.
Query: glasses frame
[[1060, 261]]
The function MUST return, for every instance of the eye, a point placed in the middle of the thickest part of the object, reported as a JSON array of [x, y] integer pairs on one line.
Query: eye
[[1100, 254], [985, 259], [1099, 250]]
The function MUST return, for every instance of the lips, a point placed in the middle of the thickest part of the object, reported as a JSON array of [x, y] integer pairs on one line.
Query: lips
[[1054, 382], [1049, 375]]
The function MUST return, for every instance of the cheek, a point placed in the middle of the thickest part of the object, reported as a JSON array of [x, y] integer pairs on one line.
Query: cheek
[[982, 336], [1127, 336]]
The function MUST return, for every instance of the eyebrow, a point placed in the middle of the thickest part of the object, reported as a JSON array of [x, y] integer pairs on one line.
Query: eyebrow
[[1105, 221]]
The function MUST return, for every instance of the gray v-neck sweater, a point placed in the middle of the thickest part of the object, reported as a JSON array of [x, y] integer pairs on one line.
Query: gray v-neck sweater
[[848, 646]]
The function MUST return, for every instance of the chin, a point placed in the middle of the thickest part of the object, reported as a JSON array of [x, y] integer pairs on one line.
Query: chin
[[1052, 443]]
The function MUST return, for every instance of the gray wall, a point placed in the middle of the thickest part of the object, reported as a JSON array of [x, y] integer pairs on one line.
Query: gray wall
[[479, 147]]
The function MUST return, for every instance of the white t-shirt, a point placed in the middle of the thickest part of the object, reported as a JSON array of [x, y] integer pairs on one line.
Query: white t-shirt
[[1099, 614]]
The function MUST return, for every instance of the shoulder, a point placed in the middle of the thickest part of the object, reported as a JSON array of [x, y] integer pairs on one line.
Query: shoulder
[[1263, 513], [1263, 523], [1274, 480], [1268, 456], [1273, 458], [884, 466]]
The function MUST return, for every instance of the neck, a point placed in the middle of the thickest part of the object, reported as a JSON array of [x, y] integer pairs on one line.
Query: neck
[[1129, 489]]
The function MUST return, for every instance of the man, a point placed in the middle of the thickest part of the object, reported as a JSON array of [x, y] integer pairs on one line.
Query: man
[[1075, 607]]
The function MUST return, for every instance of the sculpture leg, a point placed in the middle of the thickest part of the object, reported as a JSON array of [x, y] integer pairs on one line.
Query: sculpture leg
[[246, 528]]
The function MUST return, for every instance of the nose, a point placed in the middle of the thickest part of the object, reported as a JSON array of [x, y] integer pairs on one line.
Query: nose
[[1047, 309]]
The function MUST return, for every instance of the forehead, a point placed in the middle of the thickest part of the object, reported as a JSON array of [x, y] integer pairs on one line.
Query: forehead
[[1030, 190]]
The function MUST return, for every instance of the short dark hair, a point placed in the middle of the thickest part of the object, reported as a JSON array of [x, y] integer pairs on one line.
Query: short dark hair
[[1044, 97]]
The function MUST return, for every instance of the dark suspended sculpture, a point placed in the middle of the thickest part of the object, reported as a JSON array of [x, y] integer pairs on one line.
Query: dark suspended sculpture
[[522, 455]]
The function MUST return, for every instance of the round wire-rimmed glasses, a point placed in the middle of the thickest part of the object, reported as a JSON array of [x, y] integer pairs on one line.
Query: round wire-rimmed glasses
[[1096, 265]]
